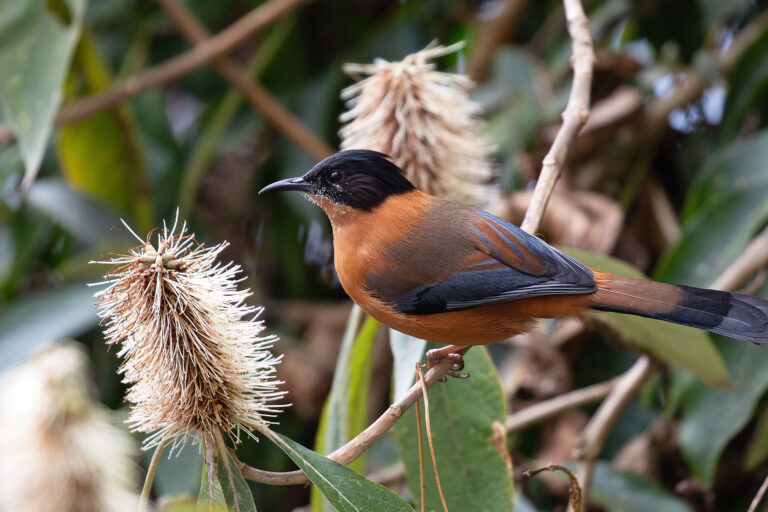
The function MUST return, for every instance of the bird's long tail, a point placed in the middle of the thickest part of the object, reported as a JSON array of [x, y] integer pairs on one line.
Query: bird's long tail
[[736, 315]]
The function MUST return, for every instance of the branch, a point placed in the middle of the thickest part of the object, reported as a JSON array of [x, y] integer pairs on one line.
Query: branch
[[257, 95], [574, 117], [174, 68], [549, 408], [357, 446]]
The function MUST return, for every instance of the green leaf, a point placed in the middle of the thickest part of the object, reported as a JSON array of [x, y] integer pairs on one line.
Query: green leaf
[[236, 492], [728, 203], [712, 417], [84, 218], [472, 473], [406, 352], [207, 500], [621, 491], [346, 490], [231, 491], [346, 411], [101, 156], [734, 168], [686, 347], [44, 318], [36, 42]]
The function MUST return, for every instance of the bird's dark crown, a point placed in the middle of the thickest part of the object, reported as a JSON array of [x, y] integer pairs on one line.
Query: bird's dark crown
[[358, 178]]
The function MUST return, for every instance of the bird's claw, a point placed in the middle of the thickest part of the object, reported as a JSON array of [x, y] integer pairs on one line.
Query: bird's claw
[[436, 356]]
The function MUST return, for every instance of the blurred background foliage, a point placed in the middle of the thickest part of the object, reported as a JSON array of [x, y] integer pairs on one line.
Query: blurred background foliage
[[669, 175]]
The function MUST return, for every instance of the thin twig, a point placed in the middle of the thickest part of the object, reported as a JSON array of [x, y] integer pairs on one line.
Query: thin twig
[[422, 480], [150, 478], [759, 496], [258, 96], [549, 408], [574, 117], [427, 424], [574, 491], [174, 68]]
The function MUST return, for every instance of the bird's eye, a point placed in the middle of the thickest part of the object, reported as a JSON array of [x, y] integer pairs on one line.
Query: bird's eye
[[335, 176]]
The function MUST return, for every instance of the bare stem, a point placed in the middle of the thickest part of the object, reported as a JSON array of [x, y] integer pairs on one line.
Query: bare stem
[[574, 117], [257, 95], [150, 478], [428, 424], [175, 68], [422, 480]]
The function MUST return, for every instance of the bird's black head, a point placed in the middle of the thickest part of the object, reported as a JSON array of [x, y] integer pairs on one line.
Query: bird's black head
[[357, 177]]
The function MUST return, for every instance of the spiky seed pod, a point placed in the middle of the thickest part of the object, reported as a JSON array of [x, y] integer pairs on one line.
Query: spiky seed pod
[[425, 120], [59, 450], [193, 352]]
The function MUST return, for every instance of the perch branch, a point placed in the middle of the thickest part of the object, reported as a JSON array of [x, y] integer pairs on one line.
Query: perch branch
[[362, 441], [257, 95], [174, 68], [574, 117]]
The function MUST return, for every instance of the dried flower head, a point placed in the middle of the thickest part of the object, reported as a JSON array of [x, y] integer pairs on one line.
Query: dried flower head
[[195, 359], [59, 450], [425, 120]]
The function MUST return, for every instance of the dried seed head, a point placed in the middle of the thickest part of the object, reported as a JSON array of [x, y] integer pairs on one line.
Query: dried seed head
[[425, 120], [193, 354], [59, 450]]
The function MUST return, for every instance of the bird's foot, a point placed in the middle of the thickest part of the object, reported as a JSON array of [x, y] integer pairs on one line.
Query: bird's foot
[[453, 353]]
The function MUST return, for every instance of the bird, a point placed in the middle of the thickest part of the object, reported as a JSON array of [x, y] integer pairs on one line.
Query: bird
[[447, 273]]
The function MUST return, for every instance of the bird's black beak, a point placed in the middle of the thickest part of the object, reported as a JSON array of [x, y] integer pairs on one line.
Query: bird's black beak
[[296, 184]]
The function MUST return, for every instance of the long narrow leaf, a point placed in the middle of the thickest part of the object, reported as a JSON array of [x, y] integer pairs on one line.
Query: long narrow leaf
[[346, 490]]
